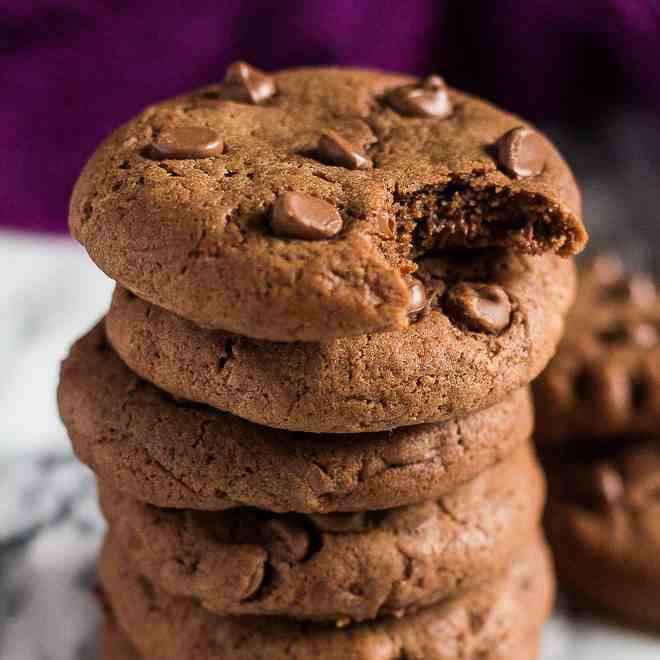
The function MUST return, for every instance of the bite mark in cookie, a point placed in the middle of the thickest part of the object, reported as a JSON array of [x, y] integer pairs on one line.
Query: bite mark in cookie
[[194, 234]]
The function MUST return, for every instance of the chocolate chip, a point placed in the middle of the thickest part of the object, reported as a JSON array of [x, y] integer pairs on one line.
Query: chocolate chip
[[418, 298], [298, 215], [245, 84], [188, 142], [287, 539], [334, 149], [521, 152], [480, 307], [429, 98], [607, 483]]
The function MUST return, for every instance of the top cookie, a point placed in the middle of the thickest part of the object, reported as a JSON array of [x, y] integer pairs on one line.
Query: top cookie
[[293, 207], [605, 379]]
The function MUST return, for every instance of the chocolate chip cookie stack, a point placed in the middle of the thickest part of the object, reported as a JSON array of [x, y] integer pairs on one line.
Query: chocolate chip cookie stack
[[599, 419], [308, 405]]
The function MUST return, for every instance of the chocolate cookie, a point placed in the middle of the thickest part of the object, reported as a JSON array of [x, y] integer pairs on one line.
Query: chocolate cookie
[[339, 566], [114, 645], [605, 380], [604, 525], [492, 322], [174, 454], [295, 208], [496, 621]]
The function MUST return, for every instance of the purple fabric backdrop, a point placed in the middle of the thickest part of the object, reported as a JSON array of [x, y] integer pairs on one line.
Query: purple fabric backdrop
[[71, 71]]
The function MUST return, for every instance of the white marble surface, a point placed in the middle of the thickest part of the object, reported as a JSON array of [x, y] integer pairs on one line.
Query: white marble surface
[[50, 293], [49, 525]]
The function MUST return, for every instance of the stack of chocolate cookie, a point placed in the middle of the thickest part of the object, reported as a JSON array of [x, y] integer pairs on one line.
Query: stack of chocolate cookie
[[308, 405], [599, 419]]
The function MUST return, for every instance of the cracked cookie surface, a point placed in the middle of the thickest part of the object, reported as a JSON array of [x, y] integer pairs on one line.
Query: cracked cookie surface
[[501, 620], [604, 381], [603, 522], [340, 566], [174, 454], [490, 322], [195, 234]]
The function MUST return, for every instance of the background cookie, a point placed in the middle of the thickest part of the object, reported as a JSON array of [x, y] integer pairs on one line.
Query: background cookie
[[494, 622], [171, 454], [242, 212], [451, 362], [603, 522], [349, 566], [605, 379]]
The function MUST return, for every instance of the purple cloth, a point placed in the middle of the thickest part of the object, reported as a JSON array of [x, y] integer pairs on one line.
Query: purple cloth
[[72, 71]]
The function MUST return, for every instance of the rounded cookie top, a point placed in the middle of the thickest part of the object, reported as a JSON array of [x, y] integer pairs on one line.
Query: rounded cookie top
[[339, 566], [145, 444], [296, 211], [492, 621], [603, 521], [491, 322], [604, 381]]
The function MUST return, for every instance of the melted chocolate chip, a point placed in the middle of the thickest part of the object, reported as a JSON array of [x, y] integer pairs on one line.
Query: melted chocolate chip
[[479, 307], [245, 84], [521, 152], [188, 142], [418, 298], [298, 215], [334, 149], [429, 98]]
